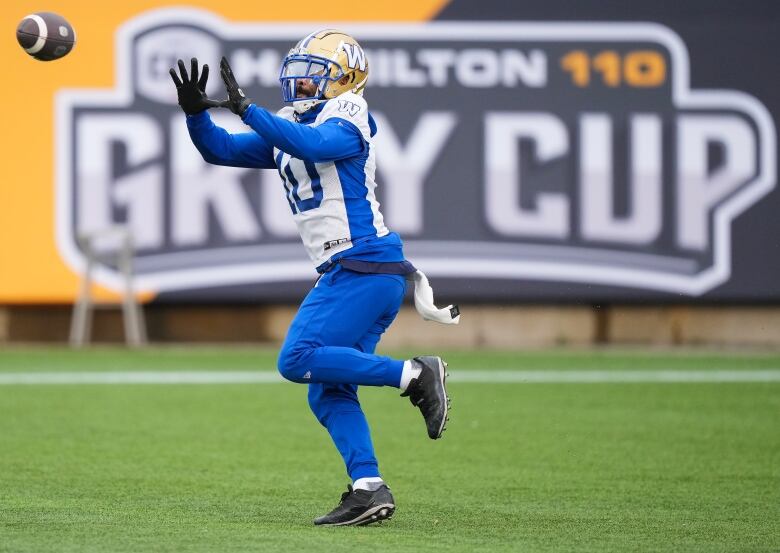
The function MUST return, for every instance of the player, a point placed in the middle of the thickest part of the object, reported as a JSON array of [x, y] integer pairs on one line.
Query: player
[[322, 148]]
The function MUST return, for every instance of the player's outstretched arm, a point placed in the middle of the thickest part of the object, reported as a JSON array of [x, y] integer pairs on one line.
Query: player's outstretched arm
[[335, 139], [215, 144], [220, 147]]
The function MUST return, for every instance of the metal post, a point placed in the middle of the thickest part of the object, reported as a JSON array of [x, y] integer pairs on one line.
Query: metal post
[[132, 313], [81, 322], [135, 329]]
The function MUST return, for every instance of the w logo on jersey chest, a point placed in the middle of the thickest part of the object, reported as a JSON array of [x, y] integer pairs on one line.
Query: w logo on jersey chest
[[349, 107]]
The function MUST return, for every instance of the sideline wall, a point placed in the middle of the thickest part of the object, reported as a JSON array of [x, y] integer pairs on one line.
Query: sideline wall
[[482, 326]]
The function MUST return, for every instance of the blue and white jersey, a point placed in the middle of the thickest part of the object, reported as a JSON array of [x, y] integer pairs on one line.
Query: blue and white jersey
[[333, 202], [327, 163]]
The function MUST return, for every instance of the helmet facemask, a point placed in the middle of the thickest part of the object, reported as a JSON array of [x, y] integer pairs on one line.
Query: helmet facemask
[[298, 67], [330, 59]]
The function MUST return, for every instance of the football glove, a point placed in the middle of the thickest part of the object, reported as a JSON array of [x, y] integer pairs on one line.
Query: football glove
[[237, 101], [191, 90]]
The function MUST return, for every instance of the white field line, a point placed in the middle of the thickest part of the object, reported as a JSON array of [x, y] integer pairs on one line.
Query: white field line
[[474, 377]]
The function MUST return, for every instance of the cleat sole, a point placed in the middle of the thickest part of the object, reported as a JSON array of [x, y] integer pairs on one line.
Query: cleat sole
[[443, 374], [377, 514]]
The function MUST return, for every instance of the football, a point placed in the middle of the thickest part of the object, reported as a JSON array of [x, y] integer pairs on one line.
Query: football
[[46, 36]]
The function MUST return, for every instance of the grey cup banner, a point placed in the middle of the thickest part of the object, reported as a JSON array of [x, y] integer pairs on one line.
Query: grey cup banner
[[545, 160]]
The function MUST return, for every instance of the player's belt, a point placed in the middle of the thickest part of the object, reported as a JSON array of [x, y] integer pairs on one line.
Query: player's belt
[[369, 267]]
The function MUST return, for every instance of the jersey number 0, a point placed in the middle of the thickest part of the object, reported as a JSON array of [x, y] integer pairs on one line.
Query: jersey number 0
[[297, 176]]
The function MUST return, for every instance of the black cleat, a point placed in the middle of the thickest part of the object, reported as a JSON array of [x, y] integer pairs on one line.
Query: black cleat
[[427, 392], [360, 507]]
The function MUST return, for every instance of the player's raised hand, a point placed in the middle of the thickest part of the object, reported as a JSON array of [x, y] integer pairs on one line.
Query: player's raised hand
[[191, 89], [237, 101]]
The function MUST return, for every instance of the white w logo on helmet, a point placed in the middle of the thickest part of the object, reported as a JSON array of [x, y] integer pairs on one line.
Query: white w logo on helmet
[[355, 56]]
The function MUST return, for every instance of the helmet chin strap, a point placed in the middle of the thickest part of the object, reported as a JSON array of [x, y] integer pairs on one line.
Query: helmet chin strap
[[303, 107]]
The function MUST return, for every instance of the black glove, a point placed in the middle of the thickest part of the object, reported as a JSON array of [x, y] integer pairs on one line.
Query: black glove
[[191, 90], [237, 101]]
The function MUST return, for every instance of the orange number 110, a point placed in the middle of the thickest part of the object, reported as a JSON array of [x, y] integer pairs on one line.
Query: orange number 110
[[639, 68]]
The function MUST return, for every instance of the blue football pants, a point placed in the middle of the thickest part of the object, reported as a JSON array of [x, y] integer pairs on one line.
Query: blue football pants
[[330, 345]]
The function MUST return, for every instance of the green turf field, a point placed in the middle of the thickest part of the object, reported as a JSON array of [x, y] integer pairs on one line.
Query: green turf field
[[523, 467]]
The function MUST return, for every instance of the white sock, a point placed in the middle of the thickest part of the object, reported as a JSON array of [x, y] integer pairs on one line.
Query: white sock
[[368, 484], [408, 374]]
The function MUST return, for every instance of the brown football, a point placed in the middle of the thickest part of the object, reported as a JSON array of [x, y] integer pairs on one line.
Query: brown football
[[46, 36]]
